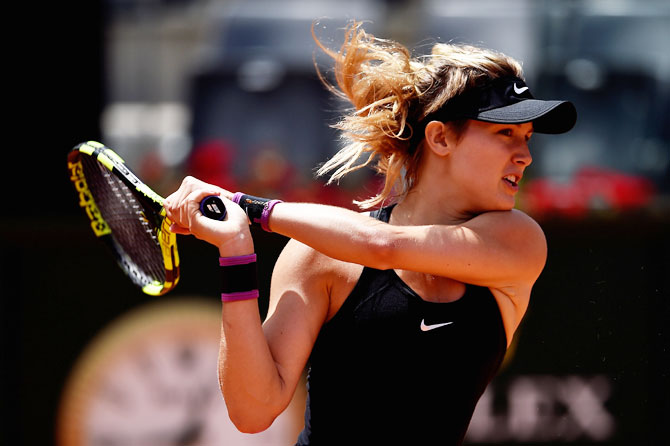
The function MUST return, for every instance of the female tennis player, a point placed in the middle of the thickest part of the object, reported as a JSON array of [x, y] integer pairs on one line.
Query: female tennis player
[[403, 314]]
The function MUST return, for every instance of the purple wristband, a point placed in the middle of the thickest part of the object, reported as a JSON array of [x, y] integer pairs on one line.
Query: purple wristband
[[265, 216], [235, 297], [237, 196], [237, 260]]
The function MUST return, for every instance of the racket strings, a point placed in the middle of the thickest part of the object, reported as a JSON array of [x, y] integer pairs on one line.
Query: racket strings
[[133, 225]]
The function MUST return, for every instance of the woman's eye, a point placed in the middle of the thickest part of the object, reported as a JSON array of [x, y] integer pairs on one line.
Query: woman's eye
[[506, 132]]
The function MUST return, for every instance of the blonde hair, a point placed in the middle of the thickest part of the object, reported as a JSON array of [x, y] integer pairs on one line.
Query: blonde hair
[[391, 93]]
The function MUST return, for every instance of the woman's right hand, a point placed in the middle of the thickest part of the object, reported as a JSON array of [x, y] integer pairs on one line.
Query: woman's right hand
[[231, 236]]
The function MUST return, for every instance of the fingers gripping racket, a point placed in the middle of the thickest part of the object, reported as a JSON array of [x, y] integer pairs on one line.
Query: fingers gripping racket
[[129, 217]]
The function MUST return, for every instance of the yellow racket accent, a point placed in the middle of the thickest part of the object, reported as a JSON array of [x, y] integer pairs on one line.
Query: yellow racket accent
[[86, 201], [112, 155], [87, 148], [104, 159], [168, 243]]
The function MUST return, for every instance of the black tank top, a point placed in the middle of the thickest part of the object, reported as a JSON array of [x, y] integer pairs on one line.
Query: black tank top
[[391, 368]]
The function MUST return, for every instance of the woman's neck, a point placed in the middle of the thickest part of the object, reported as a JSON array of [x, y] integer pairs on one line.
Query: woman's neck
[[425, 208]]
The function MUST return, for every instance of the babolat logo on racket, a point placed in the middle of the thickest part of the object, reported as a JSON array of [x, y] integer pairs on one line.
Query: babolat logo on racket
[[86, 201]]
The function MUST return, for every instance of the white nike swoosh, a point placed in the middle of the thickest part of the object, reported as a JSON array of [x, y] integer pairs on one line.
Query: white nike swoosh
[[425, 327], [518, 90]]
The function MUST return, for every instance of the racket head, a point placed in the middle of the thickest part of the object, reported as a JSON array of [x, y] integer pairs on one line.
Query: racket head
[[127, 215]]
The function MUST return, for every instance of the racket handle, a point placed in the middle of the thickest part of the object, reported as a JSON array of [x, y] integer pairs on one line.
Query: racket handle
[[212, 207]]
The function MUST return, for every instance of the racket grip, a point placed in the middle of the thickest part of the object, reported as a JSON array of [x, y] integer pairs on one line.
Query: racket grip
[[212, 207]]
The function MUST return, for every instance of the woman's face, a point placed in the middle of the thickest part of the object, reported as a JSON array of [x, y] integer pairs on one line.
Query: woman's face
[[488, 161]]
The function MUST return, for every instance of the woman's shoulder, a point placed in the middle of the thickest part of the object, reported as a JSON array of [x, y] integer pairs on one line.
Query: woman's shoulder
[[510, 223], [517, 232]]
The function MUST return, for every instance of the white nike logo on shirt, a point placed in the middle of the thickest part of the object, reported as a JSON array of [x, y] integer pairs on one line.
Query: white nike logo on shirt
[[518, 90], [425, 327]]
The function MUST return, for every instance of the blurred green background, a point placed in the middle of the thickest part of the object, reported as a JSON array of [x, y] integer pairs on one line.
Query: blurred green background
[[226, 91]]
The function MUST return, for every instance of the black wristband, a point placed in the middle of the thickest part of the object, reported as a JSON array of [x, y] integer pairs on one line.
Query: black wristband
[[239, 278], [253, 206], [257, 209]]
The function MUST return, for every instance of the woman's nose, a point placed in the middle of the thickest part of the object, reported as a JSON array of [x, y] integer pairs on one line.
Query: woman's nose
[[523, 156]]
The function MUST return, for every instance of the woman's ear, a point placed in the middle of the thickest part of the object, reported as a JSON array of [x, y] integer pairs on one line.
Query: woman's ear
[[437, 138]]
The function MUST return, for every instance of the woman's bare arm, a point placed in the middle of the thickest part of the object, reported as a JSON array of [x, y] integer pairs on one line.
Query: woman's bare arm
[[494, 249], [259, 368]]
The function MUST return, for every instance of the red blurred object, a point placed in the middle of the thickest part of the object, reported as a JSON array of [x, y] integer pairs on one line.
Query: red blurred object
[[591, 189], [212, 163]]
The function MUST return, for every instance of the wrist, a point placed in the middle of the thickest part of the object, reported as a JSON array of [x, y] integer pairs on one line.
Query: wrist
[[240, 245]]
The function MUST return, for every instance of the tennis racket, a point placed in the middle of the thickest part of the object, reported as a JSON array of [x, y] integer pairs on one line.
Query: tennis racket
[[129, 217]]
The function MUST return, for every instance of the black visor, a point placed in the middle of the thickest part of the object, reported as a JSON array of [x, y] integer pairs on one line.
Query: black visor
[[508, 100]]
